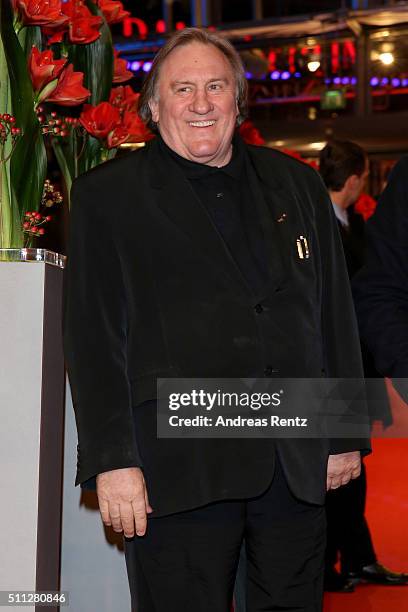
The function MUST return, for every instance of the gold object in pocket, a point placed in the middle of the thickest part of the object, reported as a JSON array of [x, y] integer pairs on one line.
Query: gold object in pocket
[[302, 248]]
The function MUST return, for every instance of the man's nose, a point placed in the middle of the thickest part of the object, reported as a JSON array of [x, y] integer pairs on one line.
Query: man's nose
[[201, 103]]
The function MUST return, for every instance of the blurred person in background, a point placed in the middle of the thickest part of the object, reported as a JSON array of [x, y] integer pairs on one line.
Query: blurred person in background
[[344, 168], [381, 287]]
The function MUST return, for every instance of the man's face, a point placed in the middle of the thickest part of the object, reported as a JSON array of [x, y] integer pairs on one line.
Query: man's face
[[195, 104]]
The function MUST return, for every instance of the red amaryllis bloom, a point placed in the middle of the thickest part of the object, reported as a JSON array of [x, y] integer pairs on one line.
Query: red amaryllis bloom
[[40, 12], [100, 120], [138, 132], [44, 68], [117, 137], [132, 129], [112, 11], [250, 134], [83, 26], [120, 71], [124, 98], [70, 91]]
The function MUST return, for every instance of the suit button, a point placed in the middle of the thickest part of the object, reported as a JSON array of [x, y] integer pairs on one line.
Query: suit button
[[258, 308]]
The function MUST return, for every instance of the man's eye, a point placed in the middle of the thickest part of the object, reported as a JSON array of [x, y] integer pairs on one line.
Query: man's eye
[[215, 86], [184, 89]]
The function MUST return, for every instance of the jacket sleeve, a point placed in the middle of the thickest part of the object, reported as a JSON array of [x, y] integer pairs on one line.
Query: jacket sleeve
[[95, 339], [381, 287], [341, 344]]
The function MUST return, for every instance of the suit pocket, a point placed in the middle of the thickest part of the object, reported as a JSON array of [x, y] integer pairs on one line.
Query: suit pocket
[[144, 387]]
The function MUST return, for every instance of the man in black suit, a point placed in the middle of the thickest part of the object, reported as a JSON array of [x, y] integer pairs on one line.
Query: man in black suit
[[381, 287], [195, 257], [344, 168]]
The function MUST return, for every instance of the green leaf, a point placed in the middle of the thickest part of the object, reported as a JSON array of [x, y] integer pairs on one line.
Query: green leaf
[[29, 161], [29, 37]]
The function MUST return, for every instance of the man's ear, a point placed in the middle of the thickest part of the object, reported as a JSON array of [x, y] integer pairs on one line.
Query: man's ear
[[351, 182], [154, 109]]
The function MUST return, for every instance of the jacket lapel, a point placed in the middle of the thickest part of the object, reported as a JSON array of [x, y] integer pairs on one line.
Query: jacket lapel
[[274, 204]]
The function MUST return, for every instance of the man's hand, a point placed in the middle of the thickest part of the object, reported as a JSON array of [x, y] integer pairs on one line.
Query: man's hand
[[342, 468], [123, 500]]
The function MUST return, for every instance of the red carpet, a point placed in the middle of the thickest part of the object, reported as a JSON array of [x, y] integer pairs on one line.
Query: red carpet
[[387, 514]]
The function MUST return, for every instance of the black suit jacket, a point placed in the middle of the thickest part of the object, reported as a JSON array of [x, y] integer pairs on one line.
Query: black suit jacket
[[152, 291], [355, 246], [381, 287]]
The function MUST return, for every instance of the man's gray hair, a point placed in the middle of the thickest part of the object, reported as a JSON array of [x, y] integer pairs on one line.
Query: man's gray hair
[[183, 38]]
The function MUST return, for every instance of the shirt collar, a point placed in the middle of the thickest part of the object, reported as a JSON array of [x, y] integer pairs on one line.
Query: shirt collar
[[195, 170], [341, 214]]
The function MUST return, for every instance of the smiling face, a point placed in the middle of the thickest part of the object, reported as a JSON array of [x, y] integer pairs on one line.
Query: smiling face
[[195, 105]]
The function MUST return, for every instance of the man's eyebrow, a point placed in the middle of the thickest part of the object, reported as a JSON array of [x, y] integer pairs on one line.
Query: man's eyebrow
[[185, 82]]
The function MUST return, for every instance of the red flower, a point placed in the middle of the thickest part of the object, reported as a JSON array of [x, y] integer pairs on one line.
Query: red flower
[[40, 12], [112, 11], [83, 26], [120, 71], [138, 132], [250, 134], [124, 98], [117, 136], [70, 91], [100, 120], [132, 129], [44, 68]]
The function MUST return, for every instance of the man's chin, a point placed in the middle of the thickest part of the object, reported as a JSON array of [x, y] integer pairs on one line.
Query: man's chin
[[203, 151]]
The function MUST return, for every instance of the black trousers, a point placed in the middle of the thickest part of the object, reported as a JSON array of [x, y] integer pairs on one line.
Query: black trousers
[[348, 535], [187, 562]]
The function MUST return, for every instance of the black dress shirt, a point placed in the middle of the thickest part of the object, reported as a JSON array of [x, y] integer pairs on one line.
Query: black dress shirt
[[225, 194]]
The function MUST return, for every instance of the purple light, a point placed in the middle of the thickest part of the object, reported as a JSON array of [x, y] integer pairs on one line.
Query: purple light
[[248, 75], [285, 75], [395, 82], [134, 66], [384, 81], [275, 75], [374, 81], [337, 80], [404, 82], [327, 81], [353, 80], [298, 75], [147, 66], [345, 80]]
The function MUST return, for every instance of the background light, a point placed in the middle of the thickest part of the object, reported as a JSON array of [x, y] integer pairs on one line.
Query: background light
[[317, 146], [275, 75], [374, 81], [313, 66], [134, 66], [147, 66], [386, 58], [285, 75]]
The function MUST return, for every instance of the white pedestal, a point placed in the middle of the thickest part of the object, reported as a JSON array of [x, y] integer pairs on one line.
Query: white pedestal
[[31, 431]]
